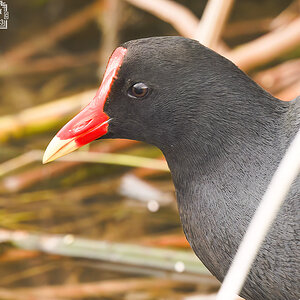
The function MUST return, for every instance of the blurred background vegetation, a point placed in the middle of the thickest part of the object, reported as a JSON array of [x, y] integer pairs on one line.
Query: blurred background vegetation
[[52, 57]]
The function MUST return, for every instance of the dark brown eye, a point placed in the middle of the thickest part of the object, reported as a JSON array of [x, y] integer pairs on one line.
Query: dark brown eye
[[138, 90]]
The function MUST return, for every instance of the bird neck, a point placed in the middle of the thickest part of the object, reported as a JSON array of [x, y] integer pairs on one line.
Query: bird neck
[[221, 174], [230, 140]]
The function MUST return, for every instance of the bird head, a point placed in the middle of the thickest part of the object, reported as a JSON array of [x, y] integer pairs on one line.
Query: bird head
[[159, 90], [145, 85]]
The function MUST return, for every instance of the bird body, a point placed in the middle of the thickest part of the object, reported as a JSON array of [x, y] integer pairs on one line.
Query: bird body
[[223, 137]]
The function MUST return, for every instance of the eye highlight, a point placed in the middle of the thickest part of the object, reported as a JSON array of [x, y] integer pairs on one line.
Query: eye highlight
[[138, 90]]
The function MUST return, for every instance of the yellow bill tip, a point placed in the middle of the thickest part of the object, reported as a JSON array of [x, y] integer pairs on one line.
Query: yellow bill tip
[[58, 148]]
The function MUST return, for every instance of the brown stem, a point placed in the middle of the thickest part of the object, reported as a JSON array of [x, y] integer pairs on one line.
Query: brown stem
[[286, 16], [51, 36], [42, 117], [50, 64], [31, 177], [290, 93], [93, 289], [246, 27], [267, 47], [108, 21], [212, 22], [180, 17], [279, 77]]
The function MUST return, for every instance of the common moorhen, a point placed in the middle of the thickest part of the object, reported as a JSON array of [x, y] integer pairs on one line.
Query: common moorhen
[[223, 137]]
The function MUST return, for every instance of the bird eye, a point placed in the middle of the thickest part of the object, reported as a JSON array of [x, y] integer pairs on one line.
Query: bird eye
[[138, 90]]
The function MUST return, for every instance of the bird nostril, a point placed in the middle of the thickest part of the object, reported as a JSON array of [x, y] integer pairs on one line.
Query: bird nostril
[[81, 126]]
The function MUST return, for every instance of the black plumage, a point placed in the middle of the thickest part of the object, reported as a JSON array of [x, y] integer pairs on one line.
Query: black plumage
[[223, 137]]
